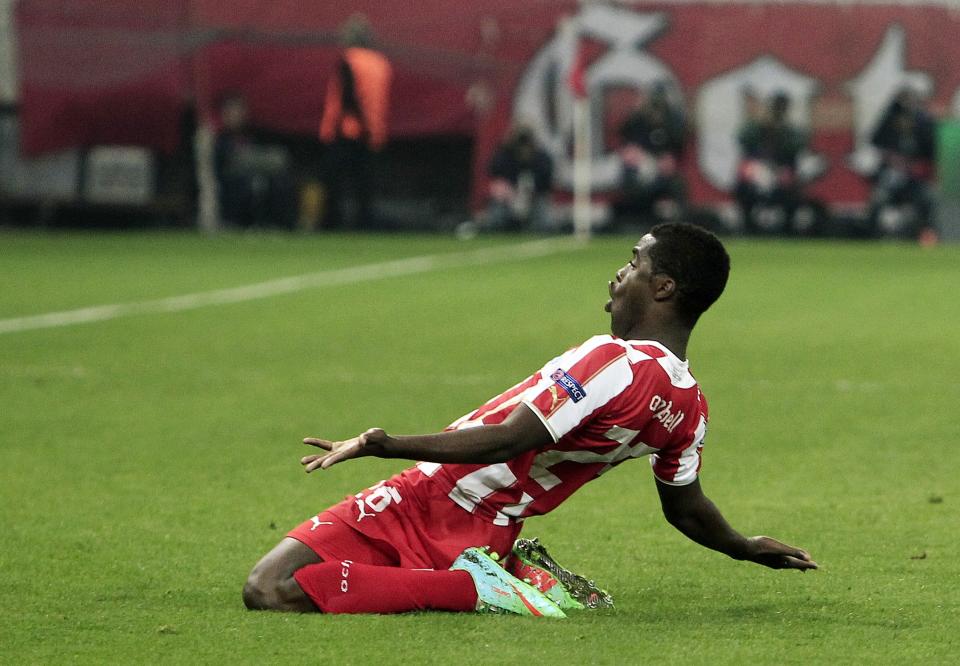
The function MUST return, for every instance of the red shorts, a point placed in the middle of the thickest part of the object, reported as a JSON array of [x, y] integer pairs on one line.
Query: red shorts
[[405, 521]]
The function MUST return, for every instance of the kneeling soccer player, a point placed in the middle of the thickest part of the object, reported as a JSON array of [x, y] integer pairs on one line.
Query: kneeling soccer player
[[411, 542]]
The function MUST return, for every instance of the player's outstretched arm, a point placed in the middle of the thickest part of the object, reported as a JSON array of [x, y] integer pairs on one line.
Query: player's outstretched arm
[[692, 512], [521, 431]]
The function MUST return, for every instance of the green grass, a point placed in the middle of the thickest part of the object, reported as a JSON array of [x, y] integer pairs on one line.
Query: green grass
[[147, 462]]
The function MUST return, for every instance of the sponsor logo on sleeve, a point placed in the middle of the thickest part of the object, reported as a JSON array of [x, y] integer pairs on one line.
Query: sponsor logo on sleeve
[[554, 397], [345, 575], [663, 411], [568, 384]]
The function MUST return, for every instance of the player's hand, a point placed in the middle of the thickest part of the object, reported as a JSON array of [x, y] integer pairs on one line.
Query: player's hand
[[356, 447], [776, 555]]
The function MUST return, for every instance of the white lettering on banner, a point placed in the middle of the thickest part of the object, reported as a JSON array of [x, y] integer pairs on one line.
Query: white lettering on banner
[[625, 64], [544, 102], [874, 89], [9, 69], [721, 110]]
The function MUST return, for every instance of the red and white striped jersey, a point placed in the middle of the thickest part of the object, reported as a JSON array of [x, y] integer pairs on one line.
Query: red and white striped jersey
[[603, 402]]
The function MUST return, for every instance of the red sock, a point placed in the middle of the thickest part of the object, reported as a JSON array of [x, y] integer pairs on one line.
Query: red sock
[[347, 587]]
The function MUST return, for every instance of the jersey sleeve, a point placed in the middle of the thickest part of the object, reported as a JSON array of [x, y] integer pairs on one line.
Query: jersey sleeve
[[574, 386], [680, 466]]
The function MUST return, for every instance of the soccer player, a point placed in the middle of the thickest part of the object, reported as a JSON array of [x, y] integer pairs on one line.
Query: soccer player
[[409, 543]]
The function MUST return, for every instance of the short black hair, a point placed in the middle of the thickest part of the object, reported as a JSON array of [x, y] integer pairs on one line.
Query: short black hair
[[228, 97], [696, 260], [356, 31]]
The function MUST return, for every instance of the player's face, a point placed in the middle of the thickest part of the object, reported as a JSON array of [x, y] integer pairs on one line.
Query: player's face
[[631, 290]]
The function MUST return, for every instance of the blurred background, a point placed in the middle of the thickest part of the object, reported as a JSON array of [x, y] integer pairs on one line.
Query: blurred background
[[809, 118]]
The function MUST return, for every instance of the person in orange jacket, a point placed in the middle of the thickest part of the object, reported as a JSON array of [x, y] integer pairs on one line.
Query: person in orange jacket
[[354, 126]]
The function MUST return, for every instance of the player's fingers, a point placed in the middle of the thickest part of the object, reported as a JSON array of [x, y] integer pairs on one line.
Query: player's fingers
[[327, 463], [309, 459], [333, 459], [341, 454], [319, 443], [796, 555], [803, 565], [315, 464]]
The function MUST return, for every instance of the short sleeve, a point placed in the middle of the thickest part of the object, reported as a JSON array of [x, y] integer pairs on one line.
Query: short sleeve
[[681, 466], [579, 384]]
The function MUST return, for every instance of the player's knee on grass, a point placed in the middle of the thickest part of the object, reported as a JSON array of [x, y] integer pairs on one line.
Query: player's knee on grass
[[256, 594], [259, 592], [265, 592], [270, 586]]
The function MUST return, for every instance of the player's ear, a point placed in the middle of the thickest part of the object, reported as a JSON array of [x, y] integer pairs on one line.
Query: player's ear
[[664, 287]]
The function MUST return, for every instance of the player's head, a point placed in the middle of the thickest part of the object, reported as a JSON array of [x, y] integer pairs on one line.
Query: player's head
[[696, 260], [779, 105], [233, 110], [356, 31], [677, 271]]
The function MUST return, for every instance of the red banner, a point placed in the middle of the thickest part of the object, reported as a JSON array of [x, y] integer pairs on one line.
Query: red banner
[[840, 65], [100, 71]]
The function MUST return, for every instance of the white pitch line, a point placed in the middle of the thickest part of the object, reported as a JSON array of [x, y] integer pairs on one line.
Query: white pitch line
[[289, 285]]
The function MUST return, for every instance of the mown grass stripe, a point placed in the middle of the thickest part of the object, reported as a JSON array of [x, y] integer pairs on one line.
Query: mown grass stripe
[[289, 285]]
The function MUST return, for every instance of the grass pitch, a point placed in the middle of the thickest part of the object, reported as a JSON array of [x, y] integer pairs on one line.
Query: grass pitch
[[146, 462]]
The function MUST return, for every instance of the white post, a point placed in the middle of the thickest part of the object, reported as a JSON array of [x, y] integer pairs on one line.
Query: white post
[[9, 72], [205, 136], [581, 168], [578, 94], [208, 208]]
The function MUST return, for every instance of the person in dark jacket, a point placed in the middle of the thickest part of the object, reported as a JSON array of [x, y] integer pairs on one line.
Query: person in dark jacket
[[254, 184], [521, 183], [768, 188], [902, 200], [653, 139]]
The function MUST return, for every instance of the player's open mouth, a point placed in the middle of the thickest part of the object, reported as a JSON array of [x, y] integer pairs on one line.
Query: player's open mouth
[[610, 287]]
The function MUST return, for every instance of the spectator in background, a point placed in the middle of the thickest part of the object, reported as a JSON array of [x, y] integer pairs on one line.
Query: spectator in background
[[521, 183], [254, 184], [653, 139], [768, 189], [754, 108], [354, 126], [902, 200]]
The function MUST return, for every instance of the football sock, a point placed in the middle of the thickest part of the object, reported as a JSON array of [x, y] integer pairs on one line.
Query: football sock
[[347, 587]]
